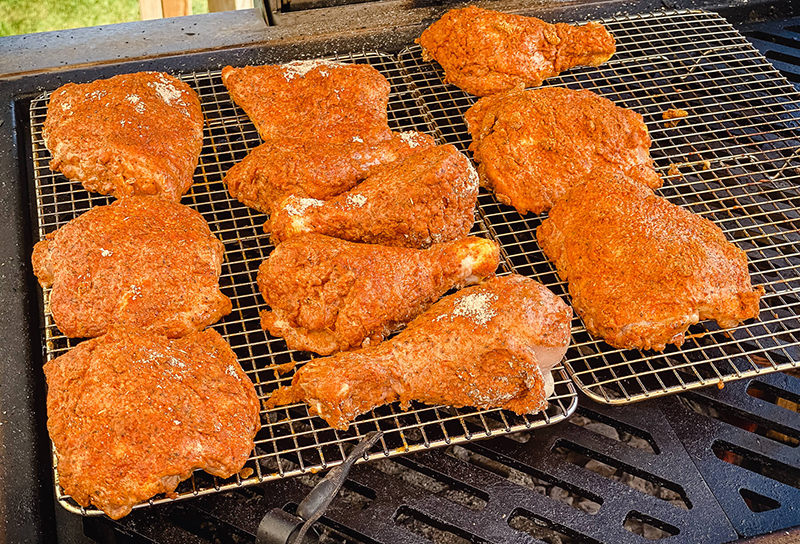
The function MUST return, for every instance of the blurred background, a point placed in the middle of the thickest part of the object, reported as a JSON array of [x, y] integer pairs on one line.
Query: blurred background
[[27, 16]]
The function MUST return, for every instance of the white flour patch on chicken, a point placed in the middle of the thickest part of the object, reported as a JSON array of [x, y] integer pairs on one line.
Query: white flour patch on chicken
[[300, 68], [473, 181], [301, 205], [65, 106], [356, 200], [357, 139], [166, 90], [476, 307], [138, 105], [412, 139], [137, 292], [106, 252]]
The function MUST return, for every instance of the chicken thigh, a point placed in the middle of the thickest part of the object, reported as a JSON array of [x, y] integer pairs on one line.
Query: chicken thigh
[[641, 270], [532, 146], [317, 100], [488, 346], [330, 295]]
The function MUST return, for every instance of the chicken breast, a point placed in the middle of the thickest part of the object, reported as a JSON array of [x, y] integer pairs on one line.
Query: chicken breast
[[479, 347], [532, 146], [131, 414], [328, 295], [312, 100], [427, 198], [486, 52], [640, 269], [141, 261], [132, 134], [313, 169]]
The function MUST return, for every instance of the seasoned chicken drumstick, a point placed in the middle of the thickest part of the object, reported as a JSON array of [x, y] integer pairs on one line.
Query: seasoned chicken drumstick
[[330, 295], [486, 52], [640, 269], [488, 346], [427, 198]]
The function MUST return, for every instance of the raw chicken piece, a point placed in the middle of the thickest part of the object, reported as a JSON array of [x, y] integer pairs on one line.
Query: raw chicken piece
[[330, 295], [132, 414], [532, 146], [486, 52], [132, 134], [312, 100], [488, 346], [141, 261], [427, 198], [640, 269], [313, 169]]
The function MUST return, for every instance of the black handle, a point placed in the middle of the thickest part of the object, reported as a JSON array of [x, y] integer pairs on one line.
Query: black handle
[[280, 527]]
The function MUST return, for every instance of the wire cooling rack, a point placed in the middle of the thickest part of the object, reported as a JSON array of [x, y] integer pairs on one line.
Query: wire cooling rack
[[733, 159], [290, 442]]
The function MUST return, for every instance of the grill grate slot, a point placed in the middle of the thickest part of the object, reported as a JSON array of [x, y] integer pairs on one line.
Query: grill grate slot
[[733, 159], [290, 442]]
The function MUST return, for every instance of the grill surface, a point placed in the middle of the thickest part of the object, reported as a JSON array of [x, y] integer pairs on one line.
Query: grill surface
[[290, 442], [733, 160]]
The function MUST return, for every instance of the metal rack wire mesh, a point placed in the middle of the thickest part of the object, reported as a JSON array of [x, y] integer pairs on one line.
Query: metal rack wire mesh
[[733, 159], [290, 441]]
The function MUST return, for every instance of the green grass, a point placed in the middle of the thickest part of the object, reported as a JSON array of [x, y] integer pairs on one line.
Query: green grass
[[26, 16]]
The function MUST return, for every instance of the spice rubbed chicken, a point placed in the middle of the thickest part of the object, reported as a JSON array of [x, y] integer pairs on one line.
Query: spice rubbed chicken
[[640, 269], [316, 100], [532, 146], [313, 169], [132, 134], [427, 198], [140, 261], [488, 346], [486, 52], [132, 414], [328, 295]]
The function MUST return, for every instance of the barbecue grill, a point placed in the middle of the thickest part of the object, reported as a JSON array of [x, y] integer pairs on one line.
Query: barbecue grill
[[706, 465]]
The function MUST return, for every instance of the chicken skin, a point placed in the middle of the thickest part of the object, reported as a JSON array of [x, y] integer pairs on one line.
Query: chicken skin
[[532, 146], [141, 261], [641, 270], [313, 169], [488, 346], [312, 100], [132, 414], [427, 198], [132, 134], [485, 52], [330, 295]]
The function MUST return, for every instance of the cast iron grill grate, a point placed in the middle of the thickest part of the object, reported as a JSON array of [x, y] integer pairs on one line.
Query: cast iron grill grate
[[290, 442], [733, 159]]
